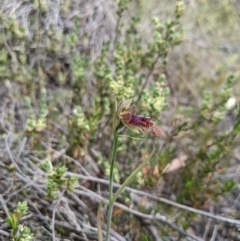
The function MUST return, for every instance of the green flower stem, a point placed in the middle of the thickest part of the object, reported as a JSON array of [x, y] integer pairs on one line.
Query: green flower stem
[[132, 176], [114, 149], [112, 198]]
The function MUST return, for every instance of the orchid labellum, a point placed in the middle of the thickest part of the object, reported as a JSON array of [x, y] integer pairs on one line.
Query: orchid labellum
[[137, 122]]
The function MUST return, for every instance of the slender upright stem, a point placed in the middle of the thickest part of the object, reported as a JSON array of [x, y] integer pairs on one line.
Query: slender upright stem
[[114, 149], [132, 176], [112, 198]]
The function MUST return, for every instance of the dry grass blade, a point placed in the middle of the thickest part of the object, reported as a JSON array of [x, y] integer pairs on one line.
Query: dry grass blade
[[99, 222]]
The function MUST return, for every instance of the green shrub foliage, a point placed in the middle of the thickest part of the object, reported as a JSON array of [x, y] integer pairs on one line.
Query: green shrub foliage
[[60, 75]]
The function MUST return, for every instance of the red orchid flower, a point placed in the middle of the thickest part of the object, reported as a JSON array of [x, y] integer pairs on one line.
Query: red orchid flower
[[139, 123]]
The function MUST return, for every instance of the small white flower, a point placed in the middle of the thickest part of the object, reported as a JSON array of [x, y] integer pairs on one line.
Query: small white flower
[[230, 103]]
